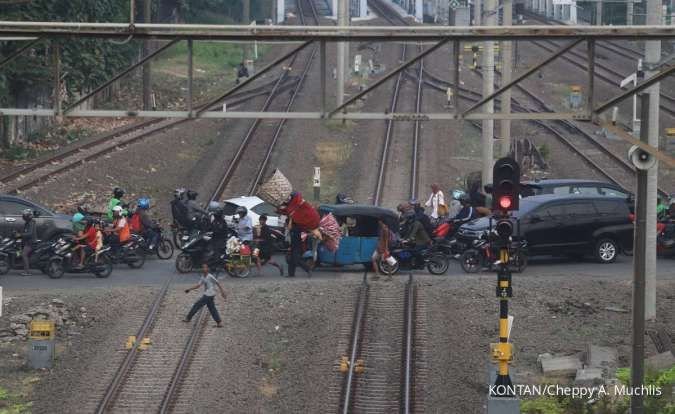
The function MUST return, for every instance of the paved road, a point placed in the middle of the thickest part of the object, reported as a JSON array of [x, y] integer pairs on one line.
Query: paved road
[[156, 272]]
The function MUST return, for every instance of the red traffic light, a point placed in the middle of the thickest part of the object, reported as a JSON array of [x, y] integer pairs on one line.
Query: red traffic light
[[505, 202]]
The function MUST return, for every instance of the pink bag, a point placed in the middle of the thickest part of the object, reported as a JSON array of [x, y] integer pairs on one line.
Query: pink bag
[[330, 229]]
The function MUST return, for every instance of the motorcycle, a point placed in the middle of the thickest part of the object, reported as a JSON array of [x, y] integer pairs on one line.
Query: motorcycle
[[410, 258], [66, 260], [163, 249], [180, 234], [196, 250], [10, 255], [482, 256], [130, 253]]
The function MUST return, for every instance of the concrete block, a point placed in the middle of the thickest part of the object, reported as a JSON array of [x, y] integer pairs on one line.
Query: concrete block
[[589, 376], [659, 362], [503, 406], [565, 366], [602, 357]]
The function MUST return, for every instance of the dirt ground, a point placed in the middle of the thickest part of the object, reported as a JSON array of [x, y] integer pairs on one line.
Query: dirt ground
[[282, 339]]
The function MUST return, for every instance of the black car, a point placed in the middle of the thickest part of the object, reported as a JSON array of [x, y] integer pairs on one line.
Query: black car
[[49, 224], [568, 225], [573, 186]]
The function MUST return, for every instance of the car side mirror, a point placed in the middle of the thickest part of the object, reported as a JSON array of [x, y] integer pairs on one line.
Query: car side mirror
[[36, 213], [535, 218]]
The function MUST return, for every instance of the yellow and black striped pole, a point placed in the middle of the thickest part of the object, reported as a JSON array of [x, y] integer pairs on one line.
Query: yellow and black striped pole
[[503, 351]]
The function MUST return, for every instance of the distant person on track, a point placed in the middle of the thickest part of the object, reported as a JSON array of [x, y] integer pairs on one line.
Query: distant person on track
[[28, 238], [265, 245], [208, 281], [436, 201], [242, 72]]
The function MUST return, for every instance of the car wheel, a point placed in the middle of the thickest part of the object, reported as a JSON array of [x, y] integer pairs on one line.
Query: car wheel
[[518, 262], [470, 261], [606, 250]]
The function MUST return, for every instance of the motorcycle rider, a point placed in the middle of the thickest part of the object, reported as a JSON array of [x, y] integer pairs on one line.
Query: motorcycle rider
[[150, 227], [116, 200], [119, 232], [88, 239], [244, 225], [421, 216], [467, 213], [28, 238], [179, 208], [265, 243], [416, 233], [194, 211], [342, 198]]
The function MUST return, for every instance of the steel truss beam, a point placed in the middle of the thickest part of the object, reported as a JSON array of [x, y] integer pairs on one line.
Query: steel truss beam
[[330, 33], [395, 116], [18, 52]]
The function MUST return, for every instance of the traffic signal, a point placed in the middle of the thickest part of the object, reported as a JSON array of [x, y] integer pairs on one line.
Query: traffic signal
[[505, 185]]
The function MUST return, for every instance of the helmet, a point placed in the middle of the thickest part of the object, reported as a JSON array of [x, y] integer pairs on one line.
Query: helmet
[[143, 203], [457, 194], [118, 192], [413, 201], [27, 214], [343, 198], [179, 193], [214, 205], [117, 209], [241, 210], [78, 217], [192, 195]]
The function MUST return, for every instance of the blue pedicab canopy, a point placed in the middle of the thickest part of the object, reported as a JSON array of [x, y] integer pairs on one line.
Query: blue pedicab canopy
[[340, 211]]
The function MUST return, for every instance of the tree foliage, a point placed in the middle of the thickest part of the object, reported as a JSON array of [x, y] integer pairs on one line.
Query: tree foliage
[[85, 62]]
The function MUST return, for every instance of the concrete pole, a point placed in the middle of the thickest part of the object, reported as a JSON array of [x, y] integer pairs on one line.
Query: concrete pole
[[652, 56], [629, 13], [419, 10], [507, 68], [598, 13], [488, 89], [246, 19], [342, 51], [573, 13], [477, 12], [147, 68], [281, 12]]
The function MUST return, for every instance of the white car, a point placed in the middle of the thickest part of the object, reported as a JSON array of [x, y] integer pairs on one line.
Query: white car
[[256, 207]]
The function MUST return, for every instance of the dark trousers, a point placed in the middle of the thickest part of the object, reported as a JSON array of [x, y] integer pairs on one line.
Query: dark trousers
[[209, 302], [25, 256], [296, 254], [152, 236]]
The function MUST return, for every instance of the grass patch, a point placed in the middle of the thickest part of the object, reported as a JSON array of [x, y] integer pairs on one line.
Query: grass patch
[[338, 125], [11, 403]]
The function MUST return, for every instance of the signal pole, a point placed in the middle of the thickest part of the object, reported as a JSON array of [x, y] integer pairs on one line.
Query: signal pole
[[505, 194], [342, 51], [147, 68]]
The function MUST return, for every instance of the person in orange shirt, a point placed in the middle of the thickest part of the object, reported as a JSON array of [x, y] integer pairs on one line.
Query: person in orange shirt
[[119, 232]]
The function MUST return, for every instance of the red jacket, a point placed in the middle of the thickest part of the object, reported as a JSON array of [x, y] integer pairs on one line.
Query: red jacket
[[303, 214]]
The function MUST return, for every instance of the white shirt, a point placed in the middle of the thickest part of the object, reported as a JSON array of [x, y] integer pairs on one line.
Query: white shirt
[[435, 199], [245, 228], [209, 283]]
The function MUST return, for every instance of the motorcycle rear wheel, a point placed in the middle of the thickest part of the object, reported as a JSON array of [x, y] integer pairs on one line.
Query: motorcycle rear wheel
[[135, 260], [55, 269], [5, 265], [184, 263], [103, 268], [388, 269], [470, 261], [165, 249], [438, 264], [519, 262]]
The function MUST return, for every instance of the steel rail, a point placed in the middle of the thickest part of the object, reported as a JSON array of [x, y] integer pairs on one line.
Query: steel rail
[[408, 347], [247, 95], [184, 363], [232, 166], [289, 106], [355, 344], [121, 373]]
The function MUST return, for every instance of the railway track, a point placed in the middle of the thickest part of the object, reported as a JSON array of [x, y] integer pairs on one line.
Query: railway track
[[50, 166], [389, 136], [382, 368], [603, 71]]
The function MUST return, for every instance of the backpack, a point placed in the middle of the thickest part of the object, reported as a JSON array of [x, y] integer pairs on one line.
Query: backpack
[[135, 223]]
